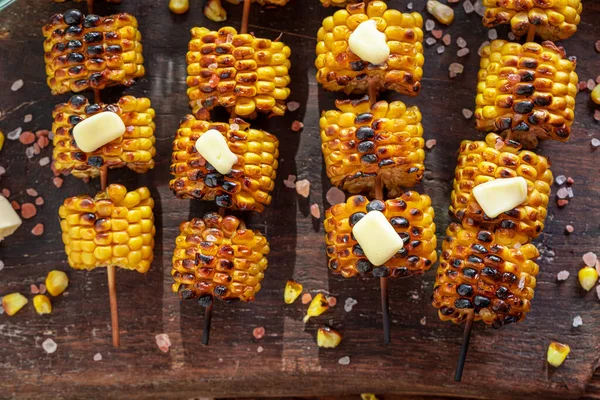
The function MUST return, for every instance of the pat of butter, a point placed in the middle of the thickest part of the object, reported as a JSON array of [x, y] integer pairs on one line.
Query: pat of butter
[[98, 130], [369, 43], [213, 147], [500, 195], [377, 237], [9, 220]]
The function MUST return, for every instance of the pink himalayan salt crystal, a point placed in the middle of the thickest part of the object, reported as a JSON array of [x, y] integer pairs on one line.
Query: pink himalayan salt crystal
[[569, 228], [590, 259], [582, 85], [331, 301], [591, 84], [430, 143], [303, 187], [258, 332], [467, 113], [315, 211], [437, 33], [163, 342], [447, 39], [34, 289], [335, 196], [562, 275], [32, 192], [290, 181], [42, 288], [293, 105], [306, 298]]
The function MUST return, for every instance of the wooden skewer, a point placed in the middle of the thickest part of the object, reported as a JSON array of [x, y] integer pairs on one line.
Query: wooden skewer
[[207, 323], [90, 5], [246, 15], [464, 347], [531, 33]]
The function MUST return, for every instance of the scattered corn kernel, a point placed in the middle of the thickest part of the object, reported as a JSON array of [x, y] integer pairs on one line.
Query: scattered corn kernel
[[292, 291], [56, 282], [13, 302], [595, 98], [588, 277], [42, 304], [328, 338], [441, 12], [213, 10], [368, 396], [2, 139], [557, 353], [179, 6], [317, 306]]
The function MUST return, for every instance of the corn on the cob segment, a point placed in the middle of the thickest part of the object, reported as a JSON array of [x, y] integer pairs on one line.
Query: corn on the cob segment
[[339, 3], [411, 215], [477, 273], [114, 228], [361, 142], [83, 52], [217, 256], [247, 187], [528, 90], [236, 71], [262, 2], [134, 150], [339, 69], [495, 158], [552, 19]]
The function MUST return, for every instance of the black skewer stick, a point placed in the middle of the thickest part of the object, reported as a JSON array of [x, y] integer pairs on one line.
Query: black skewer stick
[[465, 347], [207, 323]]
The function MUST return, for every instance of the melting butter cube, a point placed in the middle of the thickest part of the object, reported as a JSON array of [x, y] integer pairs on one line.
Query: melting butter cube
[[369, 43], [377, 237], [500, 195], [98, 130], [9, 220], [213, 147]]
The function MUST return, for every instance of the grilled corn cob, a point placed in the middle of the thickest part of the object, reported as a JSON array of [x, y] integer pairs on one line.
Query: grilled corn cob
[[83, 52], [527, 90], [477, 273], [361, 142], [262, 2], [339, 69], [411, 215], [134, 150], [339, 3], [552, 19], [247, 187], [218, 257], [114, 228], [236, 71], [495, 158]]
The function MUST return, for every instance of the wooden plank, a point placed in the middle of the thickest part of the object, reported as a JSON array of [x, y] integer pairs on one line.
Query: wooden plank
[[509, 363]]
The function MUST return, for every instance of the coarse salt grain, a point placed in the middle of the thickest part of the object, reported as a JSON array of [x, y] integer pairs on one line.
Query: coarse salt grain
[[44, 161], [430, 41], [570, 192], [234, 127], [437, 33], [49, 346], [461, 42], [598, 291], [57, 181], [39, 201], [315, 211], [577, 321], [17, 85], [595, 142], [423, 321], [562, 193], [34, 289], [1, 265], [479, 8], [331, 301], [15, 134], [293, 105], [511, 36], [462, 52], [349, 303], [38, 230], [590, 259], [28, 118], [447, 39], [570, 180], [429, 25], [562, 202], [344, 360], [260, 349], [468, 6], [582, 85], [562, 275], [335, 196], [2, 171], [441, 49], [5, 192], [430, 143], [591, 84], [30, 152], [569, 228], [97, 357], [28, 211], [297, 126], [306, 298], [303, 187], [493, 34], [32, 192], [467, 113], [213, 66], [258, 333], [560, 180], [163, 342], [409, 6], [42, 288]]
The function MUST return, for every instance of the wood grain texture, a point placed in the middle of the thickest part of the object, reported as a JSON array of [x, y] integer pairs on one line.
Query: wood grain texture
[[420, 361]]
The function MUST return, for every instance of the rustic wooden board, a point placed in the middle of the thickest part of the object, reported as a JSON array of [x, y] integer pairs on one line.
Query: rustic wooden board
[[509, 363]]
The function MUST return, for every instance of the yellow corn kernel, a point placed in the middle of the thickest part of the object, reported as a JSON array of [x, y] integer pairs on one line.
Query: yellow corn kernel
[[557, 353], [317, 306], [595, 98], [42, 304], [368, 396], [13, 302], [56, 282], [441, 12], [213, 10], [179, 6], [293, 289], [2, 139], [588, 276], [328, 338]]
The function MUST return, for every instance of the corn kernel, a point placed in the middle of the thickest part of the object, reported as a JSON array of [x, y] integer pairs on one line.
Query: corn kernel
[[557, 353], [441, 12], [56, 282], [42, 304], [292, 291], [368, 396], [1, 140], [13, 302], [317, 306], [595, 98], [213, 10], [328, 338], [179, 6], [588, 277]]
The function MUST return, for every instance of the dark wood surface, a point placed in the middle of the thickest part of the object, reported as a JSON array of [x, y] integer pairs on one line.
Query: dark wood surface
[[508, 363]]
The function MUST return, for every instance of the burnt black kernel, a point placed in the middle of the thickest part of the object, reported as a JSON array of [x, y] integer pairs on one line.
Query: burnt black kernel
[[96, 78], [60, 47], [74, 44], [354, 218], [474, 259], [74, 30], [95, 50], [469, 272], [74, 119], [464, 289], [527, 76], [204, 258], [457, 262], [463, 303], [358, 65], [416, 230], [229, 186], [508, 224], [224, 200], [523, 107], [481, 301], [231, 300], [376, 205], [209, 167], [93, 109], [543, 100], [58, 32], [403, 252], [80, 156], [446, 310], [91, 21], [479, 248], [73, 17], [113, 49], [399, 221], [521, 127], [333, 264], [386, 162], [213, 180], [527, 63], [399, 272], [525, 90], [489, 271], [75, 57], [93, 37], [363, 266], [112, 108], [205, 301], [509, 277], [503, 123], [365, 133], [358, 251], [502, 292], [221, 50], [535, 119], [510, 319], [366, 146], [369, 158], [186, 294], [563, 132], [451, 273], [362, 118], [359, 200], [484, 236], [405, 237], [95, 161], [415, 243], [412, 170], [494, 258], [220, 290], [381, 272], [414, 260], [77, 100]]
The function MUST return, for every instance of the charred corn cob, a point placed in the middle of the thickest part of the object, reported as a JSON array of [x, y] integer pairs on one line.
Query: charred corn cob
[[218, 257], [339, 3], [552, 19], [526, 90], [495, 158], [411, 215], [83, 52], [361, 142], [339, 69], [236, 71], [134, 150], [247, 187], [479, 274], [114, 228]]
